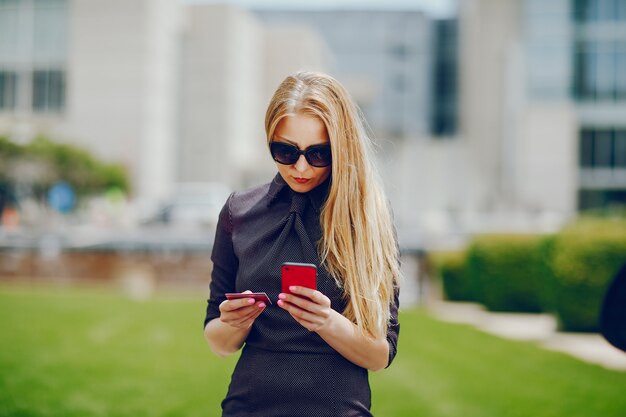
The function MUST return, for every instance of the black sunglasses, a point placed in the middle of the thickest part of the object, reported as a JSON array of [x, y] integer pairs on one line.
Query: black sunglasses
[[316, 155]]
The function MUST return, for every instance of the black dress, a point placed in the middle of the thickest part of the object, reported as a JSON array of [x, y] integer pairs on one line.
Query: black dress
[[284, 369]]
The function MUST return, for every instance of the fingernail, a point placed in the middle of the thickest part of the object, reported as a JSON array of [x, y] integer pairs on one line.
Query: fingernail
[[261, 305], [280, 303], [251, 301], [292, 288], [282, 296]]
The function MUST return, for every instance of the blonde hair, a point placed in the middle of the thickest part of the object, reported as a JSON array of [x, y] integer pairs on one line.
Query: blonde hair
[[358, 245]]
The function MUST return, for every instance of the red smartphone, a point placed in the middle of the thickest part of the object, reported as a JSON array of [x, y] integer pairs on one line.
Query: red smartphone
[[302, 275]]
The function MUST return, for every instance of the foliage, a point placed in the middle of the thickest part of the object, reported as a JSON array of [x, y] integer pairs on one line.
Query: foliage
[[87, 353], [508, 272], [451, 267], [587, 255], [47, 162]]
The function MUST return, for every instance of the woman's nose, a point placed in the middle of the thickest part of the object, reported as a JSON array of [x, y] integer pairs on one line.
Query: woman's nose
[[301, 164]]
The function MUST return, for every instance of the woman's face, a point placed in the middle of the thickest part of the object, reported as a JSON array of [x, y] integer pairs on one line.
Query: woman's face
[[302, 131]]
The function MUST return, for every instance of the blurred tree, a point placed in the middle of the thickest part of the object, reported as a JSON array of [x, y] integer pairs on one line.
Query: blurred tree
[[43, 162]]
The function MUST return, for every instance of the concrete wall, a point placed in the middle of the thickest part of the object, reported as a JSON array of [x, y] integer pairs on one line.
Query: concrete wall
[[221, 116], [121, 88]]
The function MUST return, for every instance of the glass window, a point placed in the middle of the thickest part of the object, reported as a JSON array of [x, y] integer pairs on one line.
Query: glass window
[[620, 70], [586, 148], [49, 37], [603, 149], [33, 35], [604, 9], [604, 74], [600, 70], [590, 66], [599, 10], [9, 31], [8, 89], [620, 149], [48, 90], [620, 13]]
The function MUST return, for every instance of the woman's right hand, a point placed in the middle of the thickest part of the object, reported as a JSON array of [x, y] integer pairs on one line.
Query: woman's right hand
[[242, 312]]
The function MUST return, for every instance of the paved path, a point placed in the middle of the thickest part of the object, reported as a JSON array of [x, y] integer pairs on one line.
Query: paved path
[[541, 328]]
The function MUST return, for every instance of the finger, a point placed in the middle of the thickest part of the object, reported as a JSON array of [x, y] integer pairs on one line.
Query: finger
[[235, 315], [250, 317], [312, 294], [231, 305], [303, 303], [299, 313], [260, 307]]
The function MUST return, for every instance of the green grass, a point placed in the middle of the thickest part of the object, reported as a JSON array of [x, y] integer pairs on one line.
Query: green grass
[[95, 353]]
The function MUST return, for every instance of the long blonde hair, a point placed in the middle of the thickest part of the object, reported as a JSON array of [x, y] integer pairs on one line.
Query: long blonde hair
[[358, 245]]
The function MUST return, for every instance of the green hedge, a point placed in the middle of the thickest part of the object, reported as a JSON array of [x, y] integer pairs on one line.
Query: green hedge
[[566, 274], [451, 267], [586, 256], [509, 272]]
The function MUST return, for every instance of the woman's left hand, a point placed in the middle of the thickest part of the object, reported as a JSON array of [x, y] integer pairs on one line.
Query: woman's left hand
[[312, 312]]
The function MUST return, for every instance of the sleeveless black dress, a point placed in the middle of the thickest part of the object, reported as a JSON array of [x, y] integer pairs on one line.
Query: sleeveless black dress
[[284, 369]]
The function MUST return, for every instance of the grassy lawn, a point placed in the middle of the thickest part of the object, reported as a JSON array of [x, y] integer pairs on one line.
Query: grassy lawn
[[95, 353]]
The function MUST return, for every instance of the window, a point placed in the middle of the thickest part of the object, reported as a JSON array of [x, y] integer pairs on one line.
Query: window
[[620, 149], [33, 49], [599, 10], [443, 119], [594, 199], [586, 148], [48, 90], [603, 148], [8, 88], [600, 70]]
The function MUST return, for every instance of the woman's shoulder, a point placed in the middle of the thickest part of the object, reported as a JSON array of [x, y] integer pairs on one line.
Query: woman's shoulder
[[255, 199], [248, 197]]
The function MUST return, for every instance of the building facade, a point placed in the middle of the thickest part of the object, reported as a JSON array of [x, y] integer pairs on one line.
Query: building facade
[[384, 58], [175, 92]]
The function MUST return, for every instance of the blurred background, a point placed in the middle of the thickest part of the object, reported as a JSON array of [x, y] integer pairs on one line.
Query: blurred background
[[500, 129], [125, 125]]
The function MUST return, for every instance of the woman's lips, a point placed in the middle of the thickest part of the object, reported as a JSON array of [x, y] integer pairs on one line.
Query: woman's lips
[[301, 180]]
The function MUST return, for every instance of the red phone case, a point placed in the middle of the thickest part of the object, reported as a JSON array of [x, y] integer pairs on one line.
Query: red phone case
[[303, 275]]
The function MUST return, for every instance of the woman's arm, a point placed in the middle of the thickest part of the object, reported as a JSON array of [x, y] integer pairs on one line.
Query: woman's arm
[[339, 332], [226, 334]]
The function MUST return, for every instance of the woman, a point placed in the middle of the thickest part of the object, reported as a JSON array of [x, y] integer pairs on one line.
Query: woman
[[309, 353]]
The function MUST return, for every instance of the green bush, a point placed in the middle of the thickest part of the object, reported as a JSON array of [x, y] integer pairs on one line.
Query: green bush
[[586, 256], [451, 267], [509, 272]]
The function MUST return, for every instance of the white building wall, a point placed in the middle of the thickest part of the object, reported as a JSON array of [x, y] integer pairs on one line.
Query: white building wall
[[547, 160], [291, 48], [230, 60], [121, 88], [221, 91], [487, 31], [428, 185]]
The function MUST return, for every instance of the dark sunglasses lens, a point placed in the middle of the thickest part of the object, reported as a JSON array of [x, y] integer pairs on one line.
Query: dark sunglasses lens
[[319, 156], [284, 153]]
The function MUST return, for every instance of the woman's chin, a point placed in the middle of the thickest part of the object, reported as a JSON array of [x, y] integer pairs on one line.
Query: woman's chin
[[301, 188]]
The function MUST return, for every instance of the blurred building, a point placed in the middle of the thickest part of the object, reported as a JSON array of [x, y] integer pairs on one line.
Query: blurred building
[[542, 123], [175, 92], [551, 80], [100, 74], [384, 58], [232, 64], [510, 118]]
